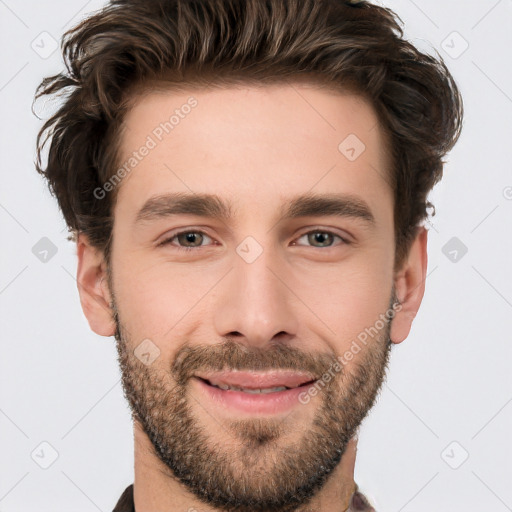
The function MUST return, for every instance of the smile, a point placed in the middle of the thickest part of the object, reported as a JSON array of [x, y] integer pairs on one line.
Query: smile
[[253, 393]]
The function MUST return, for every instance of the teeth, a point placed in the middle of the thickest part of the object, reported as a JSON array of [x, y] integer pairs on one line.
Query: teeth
[[252, 391]]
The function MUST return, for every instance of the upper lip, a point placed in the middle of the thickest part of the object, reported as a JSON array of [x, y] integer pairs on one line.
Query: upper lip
[[258, 380]]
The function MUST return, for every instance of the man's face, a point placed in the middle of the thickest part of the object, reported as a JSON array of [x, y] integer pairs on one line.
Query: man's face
[[269, 296]]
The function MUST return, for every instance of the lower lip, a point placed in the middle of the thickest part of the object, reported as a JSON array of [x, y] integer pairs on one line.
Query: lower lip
[[261, 403]]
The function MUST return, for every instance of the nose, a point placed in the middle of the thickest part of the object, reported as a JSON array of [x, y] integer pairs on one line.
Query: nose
[[255, 305]]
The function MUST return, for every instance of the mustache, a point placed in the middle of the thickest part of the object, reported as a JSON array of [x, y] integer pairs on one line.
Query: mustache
[[231, 356]]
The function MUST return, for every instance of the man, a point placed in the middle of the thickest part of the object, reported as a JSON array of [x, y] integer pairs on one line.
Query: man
[[246, 182]]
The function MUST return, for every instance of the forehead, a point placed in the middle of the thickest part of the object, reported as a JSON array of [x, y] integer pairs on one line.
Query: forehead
[[252, 142]]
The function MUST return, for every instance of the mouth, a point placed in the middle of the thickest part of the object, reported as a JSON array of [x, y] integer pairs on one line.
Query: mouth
[[254, 393], [253, 382]]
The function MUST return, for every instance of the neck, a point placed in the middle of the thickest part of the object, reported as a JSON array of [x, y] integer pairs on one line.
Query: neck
[[156, 489]]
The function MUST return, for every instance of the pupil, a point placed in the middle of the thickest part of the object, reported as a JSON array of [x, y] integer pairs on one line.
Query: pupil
[[189, 237], [321, 237]]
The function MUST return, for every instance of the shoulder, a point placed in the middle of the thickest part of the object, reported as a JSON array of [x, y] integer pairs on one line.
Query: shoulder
[[359, 502], [125, 502]]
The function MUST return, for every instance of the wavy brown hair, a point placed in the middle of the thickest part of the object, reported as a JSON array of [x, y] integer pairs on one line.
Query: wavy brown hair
[[130, 45]]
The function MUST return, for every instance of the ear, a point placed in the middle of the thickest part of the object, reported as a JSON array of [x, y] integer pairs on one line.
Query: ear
[[410, 286], [93, 288]]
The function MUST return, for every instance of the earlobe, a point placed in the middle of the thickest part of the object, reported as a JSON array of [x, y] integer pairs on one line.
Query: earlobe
[[410, 287], [93, 288]]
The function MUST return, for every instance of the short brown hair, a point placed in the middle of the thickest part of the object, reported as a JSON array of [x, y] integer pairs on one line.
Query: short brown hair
[[356, 47]]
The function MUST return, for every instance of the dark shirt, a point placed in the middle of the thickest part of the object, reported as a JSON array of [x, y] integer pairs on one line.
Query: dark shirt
[[358, 502]]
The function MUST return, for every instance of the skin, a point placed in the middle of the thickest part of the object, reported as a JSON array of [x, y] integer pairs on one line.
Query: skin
[[299, 304]]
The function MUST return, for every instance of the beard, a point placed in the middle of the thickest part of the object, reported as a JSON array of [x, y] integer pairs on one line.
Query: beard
[[259, 469]]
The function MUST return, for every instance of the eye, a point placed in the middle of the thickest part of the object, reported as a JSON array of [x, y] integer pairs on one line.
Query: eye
[[322, 237], [190, 239]]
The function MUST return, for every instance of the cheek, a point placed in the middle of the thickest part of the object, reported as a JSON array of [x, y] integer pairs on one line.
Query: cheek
[[347, 299], [159, 300]]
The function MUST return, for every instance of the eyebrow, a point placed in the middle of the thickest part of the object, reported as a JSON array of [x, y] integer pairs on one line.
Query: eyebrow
[[212, 206]]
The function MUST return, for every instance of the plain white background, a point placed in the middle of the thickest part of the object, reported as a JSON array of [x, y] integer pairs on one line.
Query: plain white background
[[439, 436]]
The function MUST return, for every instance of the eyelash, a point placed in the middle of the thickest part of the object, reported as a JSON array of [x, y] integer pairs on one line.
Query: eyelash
[[168, 241]]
